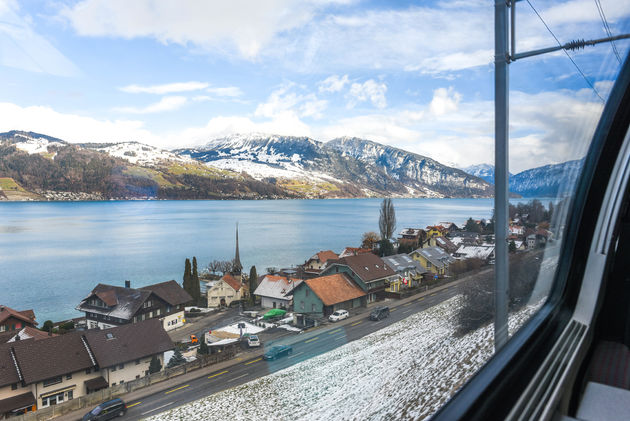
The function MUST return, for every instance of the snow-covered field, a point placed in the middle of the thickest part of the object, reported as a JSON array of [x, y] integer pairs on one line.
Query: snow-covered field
[[34, 145], [138, 153], [405, 371]]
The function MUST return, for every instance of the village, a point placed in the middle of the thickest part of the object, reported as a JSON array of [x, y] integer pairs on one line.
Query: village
[[130, 337]]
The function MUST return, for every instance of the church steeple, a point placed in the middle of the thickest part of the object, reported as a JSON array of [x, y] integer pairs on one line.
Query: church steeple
[[238, 267]]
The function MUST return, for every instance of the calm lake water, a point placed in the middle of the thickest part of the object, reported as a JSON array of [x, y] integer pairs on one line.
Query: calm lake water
[[53, 253]]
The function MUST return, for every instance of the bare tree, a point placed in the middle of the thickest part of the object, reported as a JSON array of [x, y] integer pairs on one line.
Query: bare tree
[[213, 266], [387, 220], [225, 266], [369, 240]]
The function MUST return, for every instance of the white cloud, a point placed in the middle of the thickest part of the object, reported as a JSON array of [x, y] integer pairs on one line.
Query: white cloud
[[168, 88], [23, 48], [72, 127], [370, 90], [246, 26], [286, 99], [444, 101], [167, 103], [333, 83], [228, 91]]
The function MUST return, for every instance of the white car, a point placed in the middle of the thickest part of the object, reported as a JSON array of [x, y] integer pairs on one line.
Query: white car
[[338, 315], [253, 341]]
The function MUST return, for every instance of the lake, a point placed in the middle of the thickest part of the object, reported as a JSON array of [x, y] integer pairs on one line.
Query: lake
[[53, 253]]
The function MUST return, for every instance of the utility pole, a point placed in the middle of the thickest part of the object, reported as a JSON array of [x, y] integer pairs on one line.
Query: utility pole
[[502, 58]]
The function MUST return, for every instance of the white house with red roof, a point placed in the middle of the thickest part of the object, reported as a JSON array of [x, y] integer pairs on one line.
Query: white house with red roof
[[226, 290], [276, 291]]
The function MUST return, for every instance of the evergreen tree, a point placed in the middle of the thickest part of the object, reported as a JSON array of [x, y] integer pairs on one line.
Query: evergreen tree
[[253, 280], [203, 348], [512, 247], [187, 278], [387, 219], [155, 365], [176, 359], [385, 248], [196, 288]]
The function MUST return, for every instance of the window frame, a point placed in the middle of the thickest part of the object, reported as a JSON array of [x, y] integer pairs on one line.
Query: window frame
[[494, 390]]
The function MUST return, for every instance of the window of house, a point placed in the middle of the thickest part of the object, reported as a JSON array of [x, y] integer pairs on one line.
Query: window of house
[[88, 370], [69, 376], [157, 312], [137, 362], [70, 395], [51, 381], [14, 386], [113, 368]]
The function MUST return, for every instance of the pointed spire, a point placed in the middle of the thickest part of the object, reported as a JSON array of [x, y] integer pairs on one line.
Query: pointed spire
[[237, 258]]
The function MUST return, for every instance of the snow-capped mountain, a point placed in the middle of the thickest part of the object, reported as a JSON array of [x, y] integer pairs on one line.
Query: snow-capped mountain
[[346, 166], [417, 172], [34, 143], [548, 180], [484, 171], [137, 153]]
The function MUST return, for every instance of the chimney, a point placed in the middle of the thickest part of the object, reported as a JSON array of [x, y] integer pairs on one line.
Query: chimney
[[127, 284]]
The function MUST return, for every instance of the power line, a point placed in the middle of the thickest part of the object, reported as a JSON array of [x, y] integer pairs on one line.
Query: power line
[[565, 51], [602, 16]]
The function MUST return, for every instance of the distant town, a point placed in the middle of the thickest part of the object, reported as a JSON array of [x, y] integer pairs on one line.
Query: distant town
[[130, 338]]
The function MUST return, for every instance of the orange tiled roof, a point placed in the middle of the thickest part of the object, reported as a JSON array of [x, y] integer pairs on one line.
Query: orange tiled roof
[[25, 315], [333, 289], [231, 281], [326, 255]]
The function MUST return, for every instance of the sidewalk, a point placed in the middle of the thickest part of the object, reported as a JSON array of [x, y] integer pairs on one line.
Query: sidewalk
[[173, 382]]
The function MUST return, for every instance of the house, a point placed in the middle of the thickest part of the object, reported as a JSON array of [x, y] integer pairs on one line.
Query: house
[[353, 251], [434, 259], [318, 261], [436, 231], [23, 334], [109, 306], [485, 253], [516, 229], [276, 291], [465, 237], [323, 295], [367, 270], [411, 237], [531, 241], [40, 373], [450, 227], [225, 291], [409, 272], [13, 319], [445, 244]]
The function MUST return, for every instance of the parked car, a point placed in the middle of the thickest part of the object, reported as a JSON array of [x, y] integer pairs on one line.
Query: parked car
[[107, 411], [277, 351], [253, 341], [338, 315], [379, 313]]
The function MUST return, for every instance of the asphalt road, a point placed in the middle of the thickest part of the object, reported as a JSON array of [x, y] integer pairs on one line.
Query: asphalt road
[[304, 346]]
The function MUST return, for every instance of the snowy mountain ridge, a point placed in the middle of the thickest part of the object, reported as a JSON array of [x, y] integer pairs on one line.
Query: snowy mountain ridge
[[354, 166]]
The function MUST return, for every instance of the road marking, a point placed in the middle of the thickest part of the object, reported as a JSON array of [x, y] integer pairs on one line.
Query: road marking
[[334, 331], [254, 361], [408, 304], [176, 389], [421, 298], [433, 295], [295, 355], [159, 407], [394, 309], [218, 374], [239, 377], [133, 404], [407, 311], [312, 339], [338, 338], [239, 359], [356, 323]]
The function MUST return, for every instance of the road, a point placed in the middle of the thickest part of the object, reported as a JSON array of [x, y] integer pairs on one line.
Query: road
[[304, 346]]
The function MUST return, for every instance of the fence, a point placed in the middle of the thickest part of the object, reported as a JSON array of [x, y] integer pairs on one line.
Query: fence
[[95, 398]]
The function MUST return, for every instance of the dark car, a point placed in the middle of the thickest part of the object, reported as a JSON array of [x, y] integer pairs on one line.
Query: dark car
[[277, 351], [379, 313], [107, 410]]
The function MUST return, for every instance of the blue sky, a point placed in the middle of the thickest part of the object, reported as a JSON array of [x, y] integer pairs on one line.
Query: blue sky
[[416, 75]]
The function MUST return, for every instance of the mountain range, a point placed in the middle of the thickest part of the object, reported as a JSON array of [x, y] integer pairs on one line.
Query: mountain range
[[252, 166], [546, 181]]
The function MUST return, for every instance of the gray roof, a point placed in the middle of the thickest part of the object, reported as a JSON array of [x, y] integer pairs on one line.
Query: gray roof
[[279, 287], [438, 257], [123, 303], [402, 262]]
